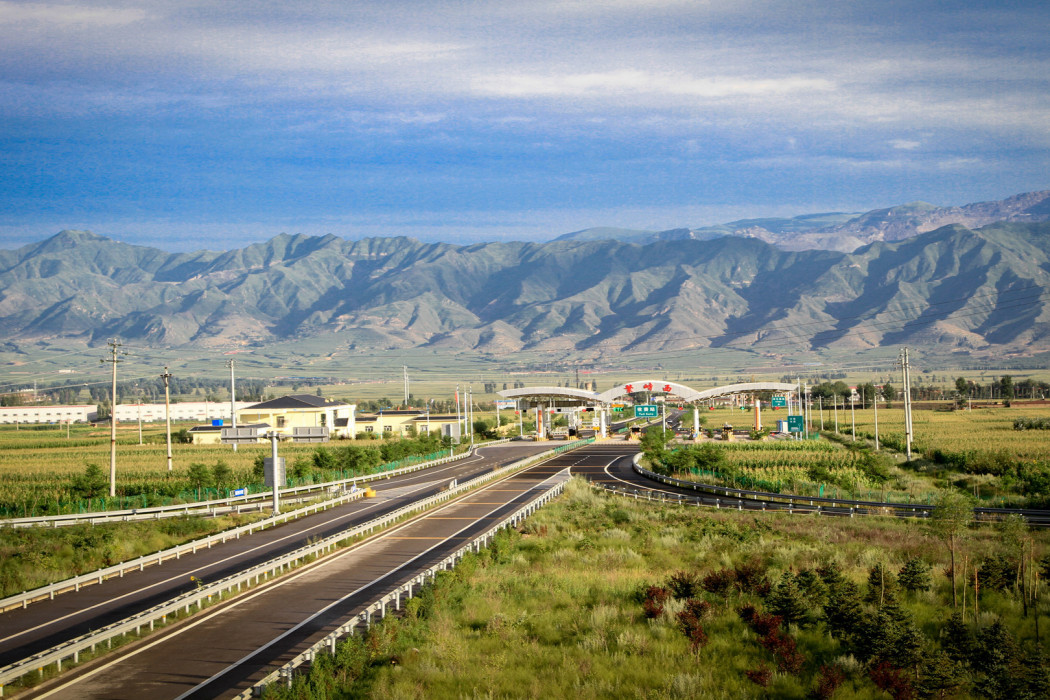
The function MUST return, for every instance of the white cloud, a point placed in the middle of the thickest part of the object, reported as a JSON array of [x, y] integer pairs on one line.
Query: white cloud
[[621, 82], [904, 144], [68, 15]]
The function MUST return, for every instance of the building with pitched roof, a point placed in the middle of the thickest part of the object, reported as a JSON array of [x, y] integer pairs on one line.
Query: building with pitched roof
[[286, 413]]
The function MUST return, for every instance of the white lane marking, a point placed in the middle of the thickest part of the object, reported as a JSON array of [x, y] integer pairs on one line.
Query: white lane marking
[[283, 581]]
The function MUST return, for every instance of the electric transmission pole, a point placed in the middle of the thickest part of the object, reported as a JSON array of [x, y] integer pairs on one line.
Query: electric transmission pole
[[404, 368], [233, 401], [114, 348], [167, 413], [906, 372]]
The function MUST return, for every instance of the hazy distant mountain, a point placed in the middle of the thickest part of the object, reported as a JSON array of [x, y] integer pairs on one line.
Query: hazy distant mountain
[[846, 232], [953, 287]]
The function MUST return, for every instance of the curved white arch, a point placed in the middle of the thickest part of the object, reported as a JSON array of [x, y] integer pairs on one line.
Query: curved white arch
[[745, 388], [550, 392], [657, 385], [687, 394]]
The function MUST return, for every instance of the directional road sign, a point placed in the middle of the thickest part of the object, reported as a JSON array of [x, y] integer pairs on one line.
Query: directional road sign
[[779, 402], [647, 411]]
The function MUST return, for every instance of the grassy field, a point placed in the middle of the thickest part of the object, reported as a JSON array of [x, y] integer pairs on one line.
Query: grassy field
[[30, 558], [598, 597]]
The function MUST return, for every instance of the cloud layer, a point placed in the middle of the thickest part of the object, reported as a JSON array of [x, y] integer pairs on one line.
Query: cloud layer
[[156, 117]]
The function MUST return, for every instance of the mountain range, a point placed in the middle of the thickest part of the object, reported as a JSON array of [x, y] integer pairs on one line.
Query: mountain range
[[982, 290], [846, 232]]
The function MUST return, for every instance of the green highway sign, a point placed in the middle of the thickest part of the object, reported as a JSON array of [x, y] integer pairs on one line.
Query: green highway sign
[[796, 424], [647, 411], [779, 402]]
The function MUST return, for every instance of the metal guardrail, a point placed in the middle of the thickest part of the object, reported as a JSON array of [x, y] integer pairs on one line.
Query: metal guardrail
[[49, 591], [286, 672], [71, 649], [219, 506], [816, 504]]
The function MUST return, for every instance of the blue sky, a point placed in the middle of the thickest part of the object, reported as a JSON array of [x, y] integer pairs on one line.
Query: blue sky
[[187, 125]]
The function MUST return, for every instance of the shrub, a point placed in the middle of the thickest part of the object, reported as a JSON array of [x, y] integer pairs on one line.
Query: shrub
[[830, 678], [760, 676], [683, 585], [653, 605], [893, 680], [719, 582]]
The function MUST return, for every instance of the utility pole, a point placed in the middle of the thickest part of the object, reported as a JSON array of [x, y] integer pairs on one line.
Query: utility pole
[[906, 372], [404, 368], [875, 403], [167, 413], [458, 422], [114, 348], [233, 400], [852, 418], [470, 412]]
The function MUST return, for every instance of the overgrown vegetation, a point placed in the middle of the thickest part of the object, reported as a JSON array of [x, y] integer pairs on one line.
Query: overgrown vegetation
[[34, 557], [603, 597]]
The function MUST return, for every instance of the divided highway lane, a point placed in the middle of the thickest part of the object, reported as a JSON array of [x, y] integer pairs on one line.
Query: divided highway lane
[[231, 646], [617, 472], [42, 625]]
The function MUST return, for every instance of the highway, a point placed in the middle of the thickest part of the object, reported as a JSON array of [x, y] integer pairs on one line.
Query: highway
[[228, 647], [45, 624]]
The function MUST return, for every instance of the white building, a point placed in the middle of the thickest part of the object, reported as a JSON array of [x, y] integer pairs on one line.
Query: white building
[[48, 414], [201, 411]]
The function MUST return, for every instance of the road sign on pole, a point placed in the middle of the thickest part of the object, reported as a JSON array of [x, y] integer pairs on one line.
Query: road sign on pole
[[779, 402], [796, 424], [647, 411]]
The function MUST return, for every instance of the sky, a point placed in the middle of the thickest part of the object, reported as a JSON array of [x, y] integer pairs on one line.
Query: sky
[[186, 125]]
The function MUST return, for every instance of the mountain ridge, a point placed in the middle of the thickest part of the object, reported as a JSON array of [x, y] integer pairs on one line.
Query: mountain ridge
[[979, 290]]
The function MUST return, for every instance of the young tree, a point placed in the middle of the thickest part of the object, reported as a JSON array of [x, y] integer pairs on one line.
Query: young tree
[[844, 610], [221, 474], [1013, 529], [787, 601], [199, 476], [949, 523], [882, 586], [92, 483], [914, 576]]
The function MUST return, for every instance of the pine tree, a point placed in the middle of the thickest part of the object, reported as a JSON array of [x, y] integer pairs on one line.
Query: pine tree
[[914, 576], [844, 610], [956, 639], [939, 675], [812, 587], [995, 659], [787, 601]]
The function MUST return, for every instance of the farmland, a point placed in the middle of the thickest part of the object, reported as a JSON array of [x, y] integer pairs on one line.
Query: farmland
[[978, 451], [42, 471]]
